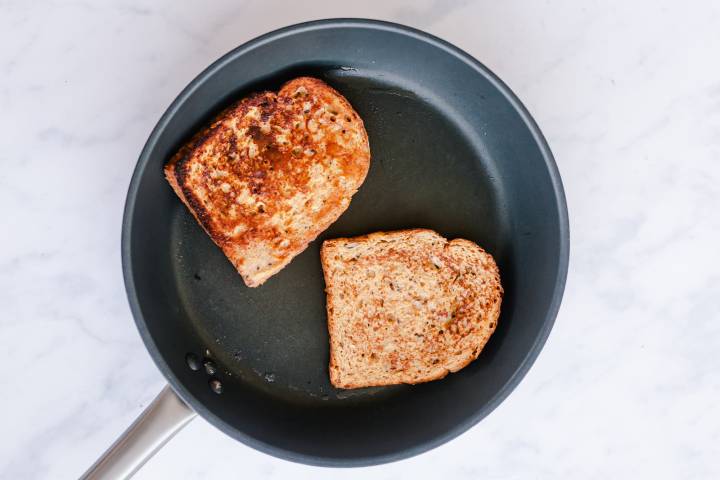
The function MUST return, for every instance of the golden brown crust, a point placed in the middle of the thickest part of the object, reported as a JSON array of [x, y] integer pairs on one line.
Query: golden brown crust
[[435, 320], [272, 172]]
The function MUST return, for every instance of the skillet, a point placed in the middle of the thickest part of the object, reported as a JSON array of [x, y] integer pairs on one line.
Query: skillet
[[453, 150]]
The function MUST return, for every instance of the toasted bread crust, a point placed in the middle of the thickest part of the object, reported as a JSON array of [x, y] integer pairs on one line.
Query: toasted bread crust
[[366, 314], [271, 172]]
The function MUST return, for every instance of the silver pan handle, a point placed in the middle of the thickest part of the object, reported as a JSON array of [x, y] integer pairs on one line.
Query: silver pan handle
[[160, 421]]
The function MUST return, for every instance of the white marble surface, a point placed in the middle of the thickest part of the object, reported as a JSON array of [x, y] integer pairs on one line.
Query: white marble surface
[[628, 95]]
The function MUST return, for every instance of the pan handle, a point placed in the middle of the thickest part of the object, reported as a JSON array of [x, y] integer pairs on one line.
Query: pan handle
[[160, 421]]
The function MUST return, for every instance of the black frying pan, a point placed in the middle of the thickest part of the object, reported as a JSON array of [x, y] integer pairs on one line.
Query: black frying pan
[[452, 150]]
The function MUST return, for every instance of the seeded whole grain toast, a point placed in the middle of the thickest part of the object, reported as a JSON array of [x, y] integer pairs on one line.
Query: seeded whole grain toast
[[407, 306], [272, 172]]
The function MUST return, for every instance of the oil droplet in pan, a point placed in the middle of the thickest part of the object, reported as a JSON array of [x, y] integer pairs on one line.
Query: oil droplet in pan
[[216, 386], [210, 367], [192, 361]]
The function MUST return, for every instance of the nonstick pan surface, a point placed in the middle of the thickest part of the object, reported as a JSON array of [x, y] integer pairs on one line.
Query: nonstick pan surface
[[452, 150]]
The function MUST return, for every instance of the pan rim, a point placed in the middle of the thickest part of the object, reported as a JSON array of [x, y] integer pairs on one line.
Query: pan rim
[[525, 364]]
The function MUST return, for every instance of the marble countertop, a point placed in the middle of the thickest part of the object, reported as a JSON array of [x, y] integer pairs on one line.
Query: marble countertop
[[628, 95]]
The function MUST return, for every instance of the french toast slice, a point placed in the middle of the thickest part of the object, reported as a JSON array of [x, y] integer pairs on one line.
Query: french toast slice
[[406, 306], [272, 172]]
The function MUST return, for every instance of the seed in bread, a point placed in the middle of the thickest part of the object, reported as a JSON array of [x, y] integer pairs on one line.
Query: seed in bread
[[407, 306], [272, 172]]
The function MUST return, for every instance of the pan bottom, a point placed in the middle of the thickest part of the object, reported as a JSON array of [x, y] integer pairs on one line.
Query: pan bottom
[[426, 171]]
